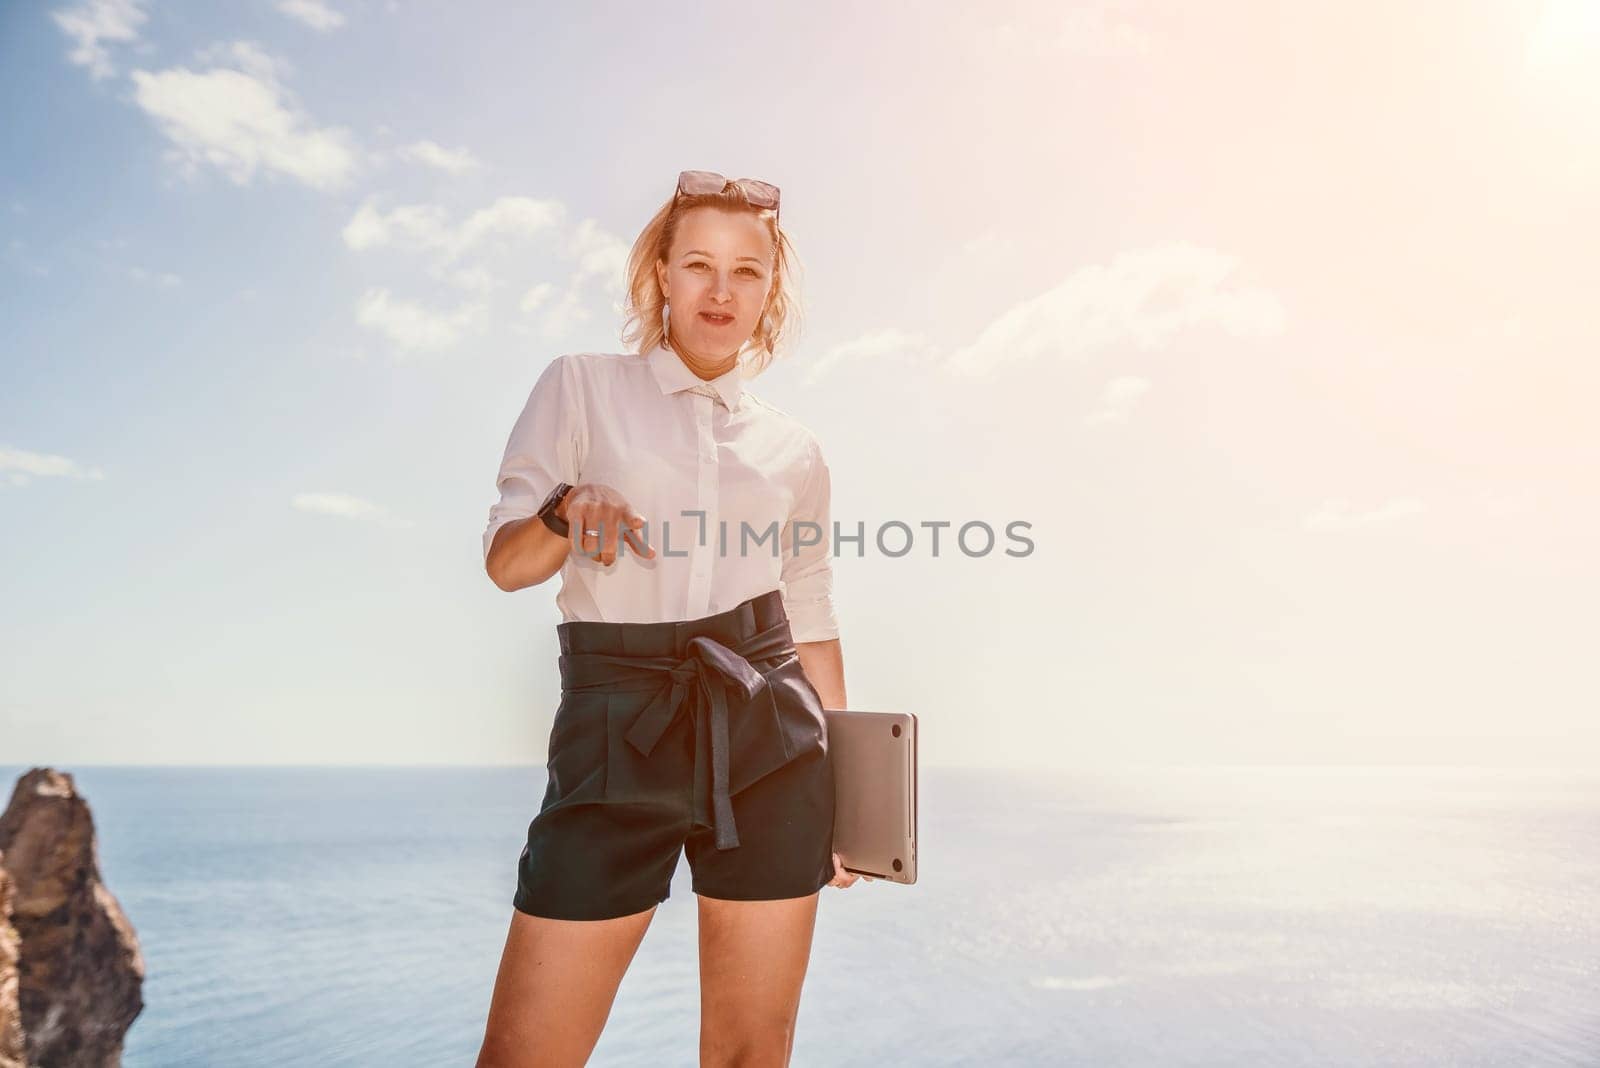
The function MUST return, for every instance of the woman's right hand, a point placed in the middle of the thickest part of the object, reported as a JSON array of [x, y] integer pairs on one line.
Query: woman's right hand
[[592, 506]]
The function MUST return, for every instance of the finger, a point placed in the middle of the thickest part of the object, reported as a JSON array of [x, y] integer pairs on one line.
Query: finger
[[575, 521], [636, 538], [590, 544], [618, 537], [609, 537]]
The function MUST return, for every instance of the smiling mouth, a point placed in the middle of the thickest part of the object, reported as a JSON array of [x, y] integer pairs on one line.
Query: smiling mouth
[[715, 319]]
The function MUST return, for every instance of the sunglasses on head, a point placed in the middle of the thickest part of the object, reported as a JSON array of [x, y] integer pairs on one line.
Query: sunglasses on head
[[702, 183]]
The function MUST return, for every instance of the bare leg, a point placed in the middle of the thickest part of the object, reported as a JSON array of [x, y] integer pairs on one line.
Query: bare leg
[[753, 958], [555, 988]]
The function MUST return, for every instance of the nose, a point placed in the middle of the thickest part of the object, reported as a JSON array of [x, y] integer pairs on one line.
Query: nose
[[720, 291]]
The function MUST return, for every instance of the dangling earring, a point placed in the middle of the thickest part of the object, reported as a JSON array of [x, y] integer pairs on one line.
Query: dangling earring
[[666, 320]]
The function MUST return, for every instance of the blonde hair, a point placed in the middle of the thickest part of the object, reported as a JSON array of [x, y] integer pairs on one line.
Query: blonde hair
[[780, 320]]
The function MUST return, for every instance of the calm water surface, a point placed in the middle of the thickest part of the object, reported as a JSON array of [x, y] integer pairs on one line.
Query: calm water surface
[[1259, 916]]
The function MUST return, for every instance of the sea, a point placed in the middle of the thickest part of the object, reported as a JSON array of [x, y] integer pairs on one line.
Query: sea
[[1258, 916]]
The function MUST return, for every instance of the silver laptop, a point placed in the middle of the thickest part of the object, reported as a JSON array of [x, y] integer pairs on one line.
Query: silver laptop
[[875, 792]]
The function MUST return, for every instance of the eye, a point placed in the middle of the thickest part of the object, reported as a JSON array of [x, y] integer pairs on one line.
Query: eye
[[751, 271], [695, 264]]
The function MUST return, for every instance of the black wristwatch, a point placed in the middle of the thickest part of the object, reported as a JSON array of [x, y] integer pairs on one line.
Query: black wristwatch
[[547, 510]]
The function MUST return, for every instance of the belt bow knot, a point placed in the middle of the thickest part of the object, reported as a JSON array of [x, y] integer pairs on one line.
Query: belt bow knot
[[701, 682]]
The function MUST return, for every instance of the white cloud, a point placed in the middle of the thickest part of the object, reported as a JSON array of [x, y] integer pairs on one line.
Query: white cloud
[[561, 317], [19, 467], [1093, 28], [558, 312], [1087, 982], [1142, 298], [248, 57], [17, 253], [346, 506], [313, 13], [477, 279], [427, 227], [601, 255], [873, 345], [95, 22], [507, 217], [1339, 515], [412, 326], [454, 250], [598, 255], [161, 278], [1117, 400], [410, 225], [240, 119], [534, 297], [1101, 30], [453, 160]]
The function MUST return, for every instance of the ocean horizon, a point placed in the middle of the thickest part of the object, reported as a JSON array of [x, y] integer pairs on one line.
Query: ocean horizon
[[1271, 915]]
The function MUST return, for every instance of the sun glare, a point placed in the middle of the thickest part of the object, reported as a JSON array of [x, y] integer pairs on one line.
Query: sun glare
[[1561, 74], [1567, 35]]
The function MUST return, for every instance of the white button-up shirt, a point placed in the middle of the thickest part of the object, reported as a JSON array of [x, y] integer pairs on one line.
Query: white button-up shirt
[[672, 443]]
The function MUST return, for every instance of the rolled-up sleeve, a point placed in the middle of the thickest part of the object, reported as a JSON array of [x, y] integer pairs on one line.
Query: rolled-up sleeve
[[545, 447], [807, 577]]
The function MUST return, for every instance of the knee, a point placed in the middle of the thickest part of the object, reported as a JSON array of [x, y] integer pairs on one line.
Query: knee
[[505, 1053], [491, 1055], [496, 1053], [766, 1048]]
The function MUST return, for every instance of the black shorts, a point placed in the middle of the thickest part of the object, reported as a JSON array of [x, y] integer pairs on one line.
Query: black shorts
[[702, 736]]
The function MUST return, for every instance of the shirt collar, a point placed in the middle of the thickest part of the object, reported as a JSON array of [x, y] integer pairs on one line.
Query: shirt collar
[[674, 376]]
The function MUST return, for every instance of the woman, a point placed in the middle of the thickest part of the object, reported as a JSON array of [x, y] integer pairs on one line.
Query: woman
[[689, 521]]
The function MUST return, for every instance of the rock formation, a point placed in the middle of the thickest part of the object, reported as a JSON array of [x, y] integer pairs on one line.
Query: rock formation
[[10, 1013], [72, 987]]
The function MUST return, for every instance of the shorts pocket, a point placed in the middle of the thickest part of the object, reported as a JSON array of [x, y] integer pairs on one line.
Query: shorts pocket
[[783, 723], [798, 706], [576, 764]]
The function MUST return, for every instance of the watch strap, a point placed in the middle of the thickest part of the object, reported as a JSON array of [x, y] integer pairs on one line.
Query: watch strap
[[558, 525], [547, 511]]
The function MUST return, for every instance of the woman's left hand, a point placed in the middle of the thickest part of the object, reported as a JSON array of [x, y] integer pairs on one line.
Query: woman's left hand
[[842, 878]]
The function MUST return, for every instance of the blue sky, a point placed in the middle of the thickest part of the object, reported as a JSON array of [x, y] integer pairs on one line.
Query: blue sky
[[1269, 321]]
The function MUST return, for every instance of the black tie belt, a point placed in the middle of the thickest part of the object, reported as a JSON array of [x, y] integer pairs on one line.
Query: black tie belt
[[697, 684]]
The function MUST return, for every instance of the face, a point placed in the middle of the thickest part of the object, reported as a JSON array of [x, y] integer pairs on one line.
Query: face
[[717, 277]]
